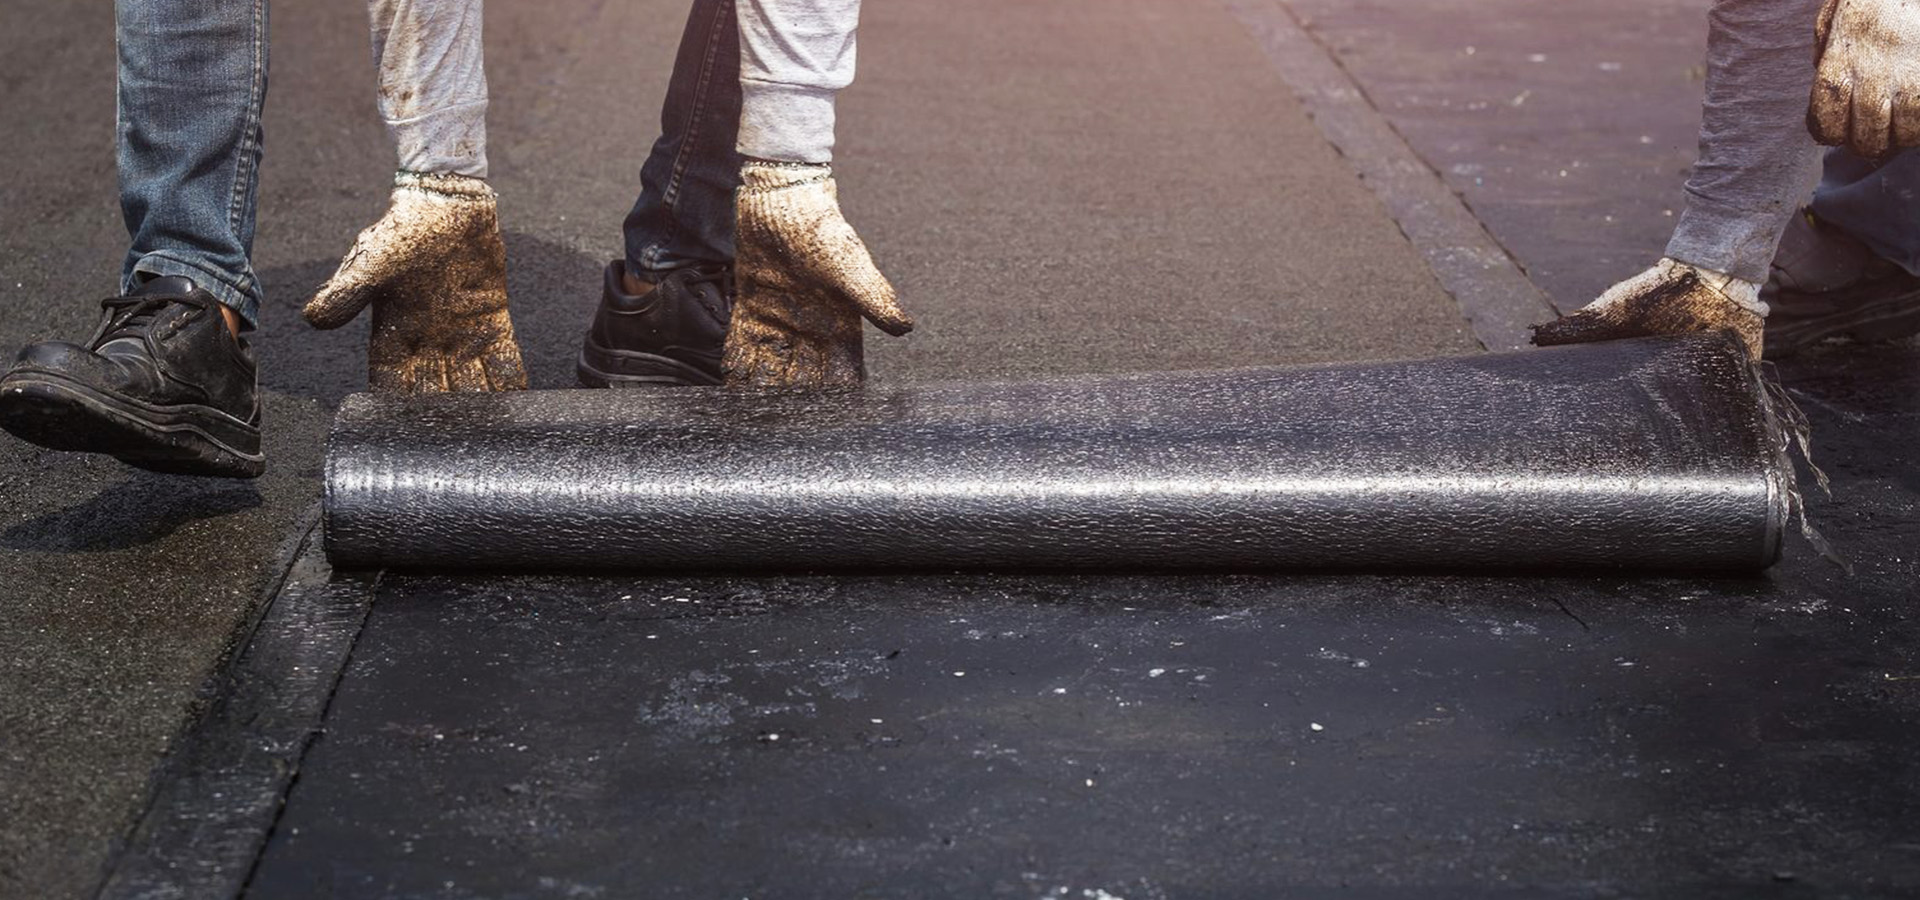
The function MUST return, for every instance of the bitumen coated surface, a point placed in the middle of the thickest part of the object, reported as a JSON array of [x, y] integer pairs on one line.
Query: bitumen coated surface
[[1147, 737], [1059, 187]]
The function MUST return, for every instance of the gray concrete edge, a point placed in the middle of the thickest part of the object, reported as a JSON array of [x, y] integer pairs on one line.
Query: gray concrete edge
[[1492, 289]]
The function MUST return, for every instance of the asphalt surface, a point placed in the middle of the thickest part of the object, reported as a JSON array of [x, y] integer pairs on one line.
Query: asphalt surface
[[1062, 187], [1146, 737]]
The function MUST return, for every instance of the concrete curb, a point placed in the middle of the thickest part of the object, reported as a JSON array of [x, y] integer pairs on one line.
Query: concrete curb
[[1494, 293]]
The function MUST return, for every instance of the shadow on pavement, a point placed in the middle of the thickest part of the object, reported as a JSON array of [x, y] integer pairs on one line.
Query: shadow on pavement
[[138, 510]]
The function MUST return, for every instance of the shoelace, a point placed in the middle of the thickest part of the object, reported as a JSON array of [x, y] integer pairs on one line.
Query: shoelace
[[131, 315], [719, 276]]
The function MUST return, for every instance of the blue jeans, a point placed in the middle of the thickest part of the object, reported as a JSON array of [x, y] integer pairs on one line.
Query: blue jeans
[[192, 81], [1877, 202], [684, 215]]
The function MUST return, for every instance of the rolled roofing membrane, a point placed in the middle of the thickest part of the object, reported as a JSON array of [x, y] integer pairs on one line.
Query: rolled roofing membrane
[[1660, 453]]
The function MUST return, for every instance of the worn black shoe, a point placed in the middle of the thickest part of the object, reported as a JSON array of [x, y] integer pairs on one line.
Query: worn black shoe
[[1827, 284], [670, 335], [161, 385], [1884, 309]]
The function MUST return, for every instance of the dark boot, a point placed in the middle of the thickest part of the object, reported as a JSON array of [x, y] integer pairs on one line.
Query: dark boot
[[670, 335], [162, 385], [1827, 284]]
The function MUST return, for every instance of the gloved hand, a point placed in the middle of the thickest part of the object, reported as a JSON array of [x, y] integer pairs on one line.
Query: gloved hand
[[1670, 298], [435, 271], [803, 280], [1866, 87]]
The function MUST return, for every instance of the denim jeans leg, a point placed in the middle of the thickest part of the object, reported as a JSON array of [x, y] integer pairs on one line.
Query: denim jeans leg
[[192, 80], [684, 215], [1876, 201]]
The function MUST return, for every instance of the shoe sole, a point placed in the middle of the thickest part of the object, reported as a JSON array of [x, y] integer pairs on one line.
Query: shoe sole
[[61, 414], [1886, 319], [602, 367]]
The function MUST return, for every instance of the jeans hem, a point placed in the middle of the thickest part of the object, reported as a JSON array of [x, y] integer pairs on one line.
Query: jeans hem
[[214, 281]]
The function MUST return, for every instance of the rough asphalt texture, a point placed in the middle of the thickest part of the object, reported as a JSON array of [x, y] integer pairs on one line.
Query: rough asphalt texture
[[1062, 187]]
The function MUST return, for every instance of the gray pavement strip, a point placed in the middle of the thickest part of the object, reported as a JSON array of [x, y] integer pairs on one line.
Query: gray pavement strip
[[216, 801], [1497, 298]]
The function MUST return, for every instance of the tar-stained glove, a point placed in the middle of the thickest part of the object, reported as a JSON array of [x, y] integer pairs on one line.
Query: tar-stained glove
[[804, 280], [1866, 86], [1670, 298], [435, 271]]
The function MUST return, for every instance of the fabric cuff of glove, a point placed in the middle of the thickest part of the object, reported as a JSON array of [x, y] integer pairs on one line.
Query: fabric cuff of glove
[[451, 140], [1744, 294], [771, 175], [457, 187], [785, 122], [1727, 239]]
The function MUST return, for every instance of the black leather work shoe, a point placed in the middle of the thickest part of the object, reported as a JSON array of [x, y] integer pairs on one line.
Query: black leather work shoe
[[1885, 309], [1826, 284], [670, 335], [162, 385]]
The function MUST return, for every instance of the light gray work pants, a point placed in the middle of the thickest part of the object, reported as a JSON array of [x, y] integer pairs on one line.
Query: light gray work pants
[[795, 56]]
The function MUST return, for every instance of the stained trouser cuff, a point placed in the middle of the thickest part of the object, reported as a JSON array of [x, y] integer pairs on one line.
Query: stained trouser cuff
[[449, 141], [1740, 243], [785, 123]]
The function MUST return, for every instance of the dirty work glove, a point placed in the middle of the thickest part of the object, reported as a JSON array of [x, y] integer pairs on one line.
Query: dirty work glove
[[435, 271], [803, 280], [1670, 298], [1866, 86]]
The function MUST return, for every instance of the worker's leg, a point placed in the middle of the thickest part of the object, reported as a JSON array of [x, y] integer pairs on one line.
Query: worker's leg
[[1876, 202], [684, 214], [166, 381], [665, 306], [1849, 266], [192, 82]]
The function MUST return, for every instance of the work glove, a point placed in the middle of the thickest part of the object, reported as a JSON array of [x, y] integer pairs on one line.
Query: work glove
[[435, 272], [1866, 87], [1670, 298], [804, 280]]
